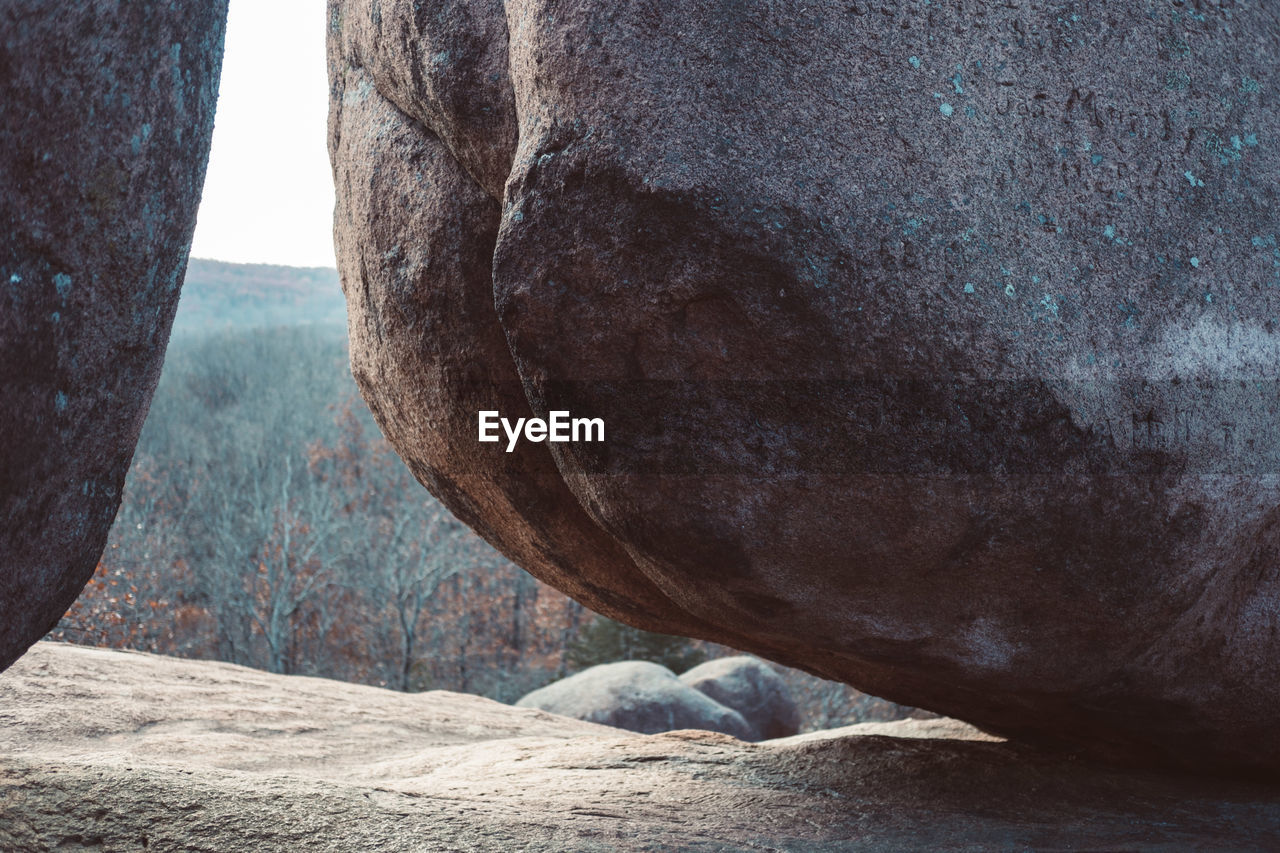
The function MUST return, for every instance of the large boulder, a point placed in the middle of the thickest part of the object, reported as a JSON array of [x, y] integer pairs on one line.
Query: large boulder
[[751, 687], [936, 344], [637, 696], [106, 113]]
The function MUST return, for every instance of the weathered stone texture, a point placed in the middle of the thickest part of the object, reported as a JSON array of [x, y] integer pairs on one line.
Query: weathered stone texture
[[106, 112], [427, 349], [152, 753], [937, 344]]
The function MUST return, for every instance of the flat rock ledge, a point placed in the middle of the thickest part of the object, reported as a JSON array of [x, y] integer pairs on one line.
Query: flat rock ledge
[[126, 751]]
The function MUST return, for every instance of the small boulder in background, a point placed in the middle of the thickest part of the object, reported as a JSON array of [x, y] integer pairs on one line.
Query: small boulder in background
[[751, 687], [637, 696]]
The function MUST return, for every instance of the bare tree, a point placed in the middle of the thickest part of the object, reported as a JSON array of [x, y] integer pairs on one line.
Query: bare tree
[[263, 528], [423, 548], [268, 523]]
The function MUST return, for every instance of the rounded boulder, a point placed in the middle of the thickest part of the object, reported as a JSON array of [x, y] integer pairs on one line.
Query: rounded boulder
[[637, 696]]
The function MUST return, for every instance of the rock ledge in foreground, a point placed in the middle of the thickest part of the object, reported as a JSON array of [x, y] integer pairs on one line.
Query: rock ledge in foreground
[[156, 753]]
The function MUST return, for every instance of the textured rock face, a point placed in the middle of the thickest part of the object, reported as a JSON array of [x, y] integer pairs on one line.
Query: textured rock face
[[427, 349], [750, 687], [106, 111], [637, 696], [152, 753], [936, 345]]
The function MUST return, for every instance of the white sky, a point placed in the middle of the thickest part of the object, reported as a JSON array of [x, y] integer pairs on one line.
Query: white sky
[[268, 197]]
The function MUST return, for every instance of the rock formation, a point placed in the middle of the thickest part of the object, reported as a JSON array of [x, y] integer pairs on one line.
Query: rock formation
[[152, 753], [106, 111], [640, 697], [750, 687], [936, 344]]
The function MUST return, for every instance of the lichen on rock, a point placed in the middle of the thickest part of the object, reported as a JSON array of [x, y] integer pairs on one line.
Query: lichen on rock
[[106, 114], [925, 366]]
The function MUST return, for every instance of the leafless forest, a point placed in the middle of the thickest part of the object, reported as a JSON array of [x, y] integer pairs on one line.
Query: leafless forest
[[266, 522]]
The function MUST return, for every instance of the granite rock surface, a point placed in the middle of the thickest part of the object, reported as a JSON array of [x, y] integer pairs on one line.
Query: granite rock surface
[[937, 344], [749, 686], [161, 754], [106, 113]]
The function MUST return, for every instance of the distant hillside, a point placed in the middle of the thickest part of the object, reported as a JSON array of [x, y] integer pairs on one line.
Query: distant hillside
[[218, 295]]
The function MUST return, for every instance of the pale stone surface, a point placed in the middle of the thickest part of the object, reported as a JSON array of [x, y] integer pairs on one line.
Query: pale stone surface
[[106, 112], [129, 752], [936, 344]]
